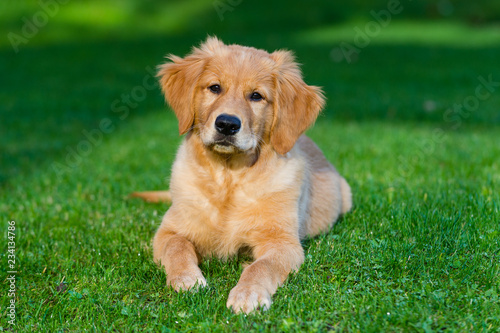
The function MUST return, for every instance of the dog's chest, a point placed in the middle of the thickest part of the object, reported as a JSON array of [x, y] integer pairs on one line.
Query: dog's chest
[[223, 209], [220, 214], [223, 197]]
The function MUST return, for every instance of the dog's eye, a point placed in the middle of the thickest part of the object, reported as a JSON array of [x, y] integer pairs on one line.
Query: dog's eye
[[256, 97], [215, 88]]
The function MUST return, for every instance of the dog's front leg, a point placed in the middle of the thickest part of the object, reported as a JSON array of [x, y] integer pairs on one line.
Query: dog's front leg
[[259, 281], [178, 256]]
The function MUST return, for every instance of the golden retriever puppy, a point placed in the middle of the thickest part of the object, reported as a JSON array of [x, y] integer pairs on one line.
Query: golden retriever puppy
[[244, 177]]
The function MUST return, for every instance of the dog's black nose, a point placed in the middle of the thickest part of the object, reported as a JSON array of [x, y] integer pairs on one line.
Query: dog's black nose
[[227, 125]]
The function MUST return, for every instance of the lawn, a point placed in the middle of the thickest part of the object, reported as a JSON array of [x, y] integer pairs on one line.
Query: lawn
[[411, 122]]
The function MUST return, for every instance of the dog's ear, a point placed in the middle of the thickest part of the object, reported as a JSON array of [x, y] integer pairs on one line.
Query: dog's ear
[[296, 106], [178, 81]]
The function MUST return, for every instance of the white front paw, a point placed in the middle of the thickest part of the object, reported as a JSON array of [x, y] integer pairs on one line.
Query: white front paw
[[248, 298]]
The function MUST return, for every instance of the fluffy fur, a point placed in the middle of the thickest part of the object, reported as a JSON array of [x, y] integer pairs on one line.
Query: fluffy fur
[[263, 189]]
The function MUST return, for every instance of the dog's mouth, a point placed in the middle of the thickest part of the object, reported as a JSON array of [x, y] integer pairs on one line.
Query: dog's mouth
[[229, 144], [224, 146]]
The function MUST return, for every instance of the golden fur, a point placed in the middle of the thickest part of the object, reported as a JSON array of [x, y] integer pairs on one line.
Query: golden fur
[[264, 189]]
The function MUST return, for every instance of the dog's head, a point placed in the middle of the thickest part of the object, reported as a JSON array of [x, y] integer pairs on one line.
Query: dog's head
[[237, 98]]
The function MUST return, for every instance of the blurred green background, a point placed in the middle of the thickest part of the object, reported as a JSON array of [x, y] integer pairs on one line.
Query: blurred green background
[[75, 58]]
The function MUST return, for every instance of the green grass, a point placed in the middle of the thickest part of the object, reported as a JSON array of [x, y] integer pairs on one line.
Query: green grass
[[419, 252]]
